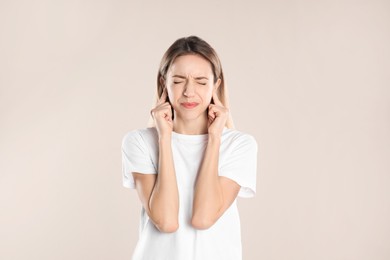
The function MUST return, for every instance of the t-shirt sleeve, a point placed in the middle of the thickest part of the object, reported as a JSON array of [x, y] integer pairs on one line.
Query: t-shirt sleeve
[[241, 165], [135, 158]]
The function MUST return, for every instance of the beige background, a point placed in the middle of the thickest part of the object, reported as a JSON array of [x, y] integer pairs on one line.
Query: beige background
[[309, 79]]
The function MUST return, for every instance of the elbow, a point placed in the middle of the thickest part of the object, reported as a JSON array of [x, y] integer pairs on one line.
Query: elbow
[[167, 226], [166, 223], [202, 222]]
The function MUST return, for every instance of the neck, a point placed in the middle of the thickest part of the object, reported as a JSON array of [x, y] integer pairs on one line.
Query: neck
[[197, 126]]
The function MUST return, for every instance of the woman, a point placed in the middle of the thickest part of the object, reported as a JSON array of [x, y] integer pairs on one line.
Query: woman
[[190, 166]]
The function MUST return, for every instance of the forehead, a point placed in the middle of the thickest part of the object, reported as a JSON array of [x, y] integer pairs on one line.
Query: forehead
[[190, 64]]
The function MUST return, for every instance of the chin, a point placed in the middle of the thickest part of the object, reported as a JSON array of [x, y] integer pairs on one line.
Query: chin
[[190, 115]]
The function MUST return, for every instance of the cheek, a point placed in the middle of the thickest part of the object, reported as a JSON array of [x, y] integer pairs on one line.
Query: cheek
[[174, 96], [171, 93], [207, 95]]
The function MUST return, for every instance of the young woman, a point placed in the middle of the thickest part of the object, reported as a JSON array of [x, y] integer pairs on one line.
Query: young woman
[[190, 165]]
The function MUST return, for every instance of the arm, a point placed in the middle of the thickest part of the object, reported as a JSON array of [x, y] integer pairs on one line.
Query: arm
[[213, 194], [159, 194]]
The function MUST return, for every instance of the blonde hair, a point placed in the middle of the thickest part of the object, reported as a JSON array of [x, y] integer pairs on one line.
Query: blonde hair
[[197, 46]]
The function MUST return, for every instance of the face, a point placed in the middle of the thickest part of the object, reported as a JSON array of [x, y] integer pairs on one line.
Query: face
[[190, 85]]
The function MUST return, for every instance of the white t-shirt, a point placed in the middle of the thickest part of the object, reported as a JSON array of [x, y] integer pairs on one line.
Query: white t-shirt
[[237, 161]]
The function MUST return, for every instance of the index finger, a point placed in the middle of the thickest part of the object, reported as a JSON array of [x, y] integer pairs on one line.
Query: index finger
[[216, 99], [163, 97]]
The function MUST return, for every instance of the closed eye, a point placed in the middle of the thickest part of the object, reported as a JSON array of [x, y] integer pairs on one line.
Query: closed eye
[[177, 82]]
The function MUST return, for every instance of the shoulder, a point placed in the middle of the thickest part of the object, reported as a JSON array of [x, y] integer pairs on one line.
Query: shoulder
[[140, 136], [238, 138]]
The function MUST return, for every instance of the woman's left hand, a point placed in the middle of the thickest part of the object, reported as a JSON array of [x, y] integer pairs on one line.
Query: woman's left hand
[[217, 116]]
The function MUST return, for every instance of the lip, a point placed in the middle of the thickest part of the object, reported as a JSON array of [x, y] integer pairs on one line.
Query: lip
[[189, 105]]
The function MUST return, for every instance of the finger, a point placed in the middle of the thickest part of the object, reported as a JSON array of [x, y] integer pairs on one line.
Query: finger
[[164, 109], [212, 112], [216, 109], [169, 111], [216, 99], [163, 97], [161, 109]]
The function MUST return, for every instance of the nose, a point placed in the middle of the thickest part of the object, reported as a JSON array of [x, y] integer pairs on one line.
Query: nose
[[189, 90]]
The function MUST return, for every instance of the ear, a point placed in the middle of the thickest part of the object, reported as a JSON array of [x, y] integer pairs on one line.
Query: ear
[[162, 81], [216, 85]]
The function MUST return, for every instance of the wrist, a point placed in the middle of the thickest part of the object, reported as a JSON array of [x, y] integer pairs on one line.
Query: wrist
[[165, 138], [214, 138], [215, 133]]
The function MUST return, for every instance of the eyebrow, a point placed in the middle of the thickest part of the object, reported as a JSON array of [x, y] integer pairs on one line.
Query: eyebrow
[[182, 77]]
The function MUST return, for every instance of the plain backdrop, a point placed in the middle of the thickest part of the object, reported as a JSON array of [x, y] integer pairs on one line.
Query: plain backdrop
[[308, 79]]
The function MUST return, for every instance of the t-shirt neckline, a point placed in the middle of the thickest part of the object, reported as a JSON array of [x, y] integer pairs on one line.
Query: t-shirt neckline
[[190, 138], [195, 138]]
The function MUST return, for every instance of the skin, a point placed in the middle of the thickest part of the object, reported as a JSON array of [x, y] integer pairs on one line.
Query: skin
[[189, 79]]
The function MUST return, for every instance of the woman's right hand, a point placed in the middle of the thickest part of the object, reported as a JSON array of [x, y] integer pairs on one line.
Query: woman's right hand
[[162, 115]]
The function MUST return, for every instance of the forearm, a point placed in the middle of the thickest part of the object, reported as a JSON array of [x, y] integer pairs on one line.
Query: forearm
[[208, 197], [164, 200]]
